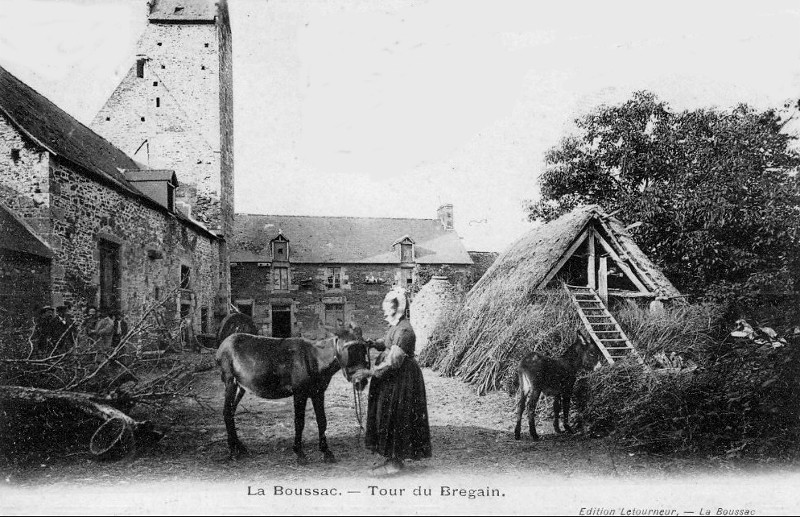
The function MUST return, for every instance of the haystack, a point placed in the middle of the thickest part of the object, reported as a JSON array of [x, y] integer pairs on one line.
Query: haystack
[[519, 304]]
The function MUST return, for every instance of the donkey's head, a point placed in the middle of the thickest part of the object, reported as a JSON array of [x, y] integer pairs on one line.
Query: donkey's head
[[586, 353], [352, 352]]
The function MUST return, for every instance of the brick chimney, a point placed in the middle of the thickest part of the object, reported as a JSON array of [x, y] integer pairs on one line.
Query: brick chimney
[[445, 215]]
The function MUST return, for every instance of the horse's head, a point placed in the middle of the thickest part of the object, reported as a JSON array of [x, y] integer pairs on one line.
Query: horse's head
[[352, 352]]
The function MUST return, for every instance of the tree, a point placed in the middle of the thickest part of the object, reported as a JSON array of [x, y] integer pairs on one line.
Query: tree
[[717, 193]]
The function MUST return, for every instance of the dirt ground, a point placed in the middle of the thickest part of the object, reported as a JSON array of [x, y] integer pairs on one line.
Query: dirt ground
[[471, 435]]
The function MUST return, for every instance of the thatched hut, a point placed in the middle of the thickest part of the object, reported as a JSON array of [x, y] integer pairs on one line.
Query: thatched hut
[[519, 304]]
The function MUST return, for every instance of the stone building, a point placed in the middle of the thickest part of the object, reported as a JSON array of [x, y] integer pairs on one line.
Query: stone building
[[174, 108], [290, 272], [25, 261], [116, 239]]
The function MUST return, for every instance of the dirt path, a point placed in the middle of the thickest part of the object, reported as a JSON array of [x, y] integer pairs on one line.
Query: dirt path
[[470, 434]]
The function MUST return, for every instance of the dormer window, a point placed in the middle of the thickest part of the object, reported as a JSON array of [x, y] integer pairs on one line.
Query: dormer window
[[280, 248], [406, 249]]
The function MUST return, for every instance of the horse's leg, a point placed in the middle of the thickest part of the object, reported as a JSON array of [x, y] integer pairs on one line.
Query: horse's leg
[[322, 424], [233, 394], [533, 399], [557, 412], [520, 409], [567, 428], [299, 424]]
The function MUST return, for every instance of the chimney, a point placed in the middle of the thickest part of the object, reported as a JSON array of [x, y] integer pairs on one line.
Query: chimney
[[445, 215]]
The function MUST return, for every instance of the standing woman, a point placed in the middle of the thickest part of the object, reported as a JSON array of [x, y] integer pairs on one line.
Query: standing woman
[[397, 412]]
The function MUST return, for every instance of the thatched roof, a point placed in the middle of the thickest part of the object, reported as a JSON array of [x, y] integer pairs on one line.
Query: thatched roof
[[531, 260]]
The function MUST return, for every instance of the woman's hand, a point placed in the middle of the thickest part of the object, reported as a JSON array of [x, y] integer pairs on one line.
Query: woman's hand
[[362, 374]]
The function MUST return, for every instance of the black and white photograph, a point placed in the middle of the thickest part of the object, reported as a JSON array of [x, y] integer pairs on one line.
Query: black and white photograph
[[399, 257]]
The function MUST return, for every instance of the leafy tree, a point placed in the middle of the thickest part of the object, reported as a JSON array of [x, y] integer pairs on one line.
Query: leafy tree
[[717, 193]]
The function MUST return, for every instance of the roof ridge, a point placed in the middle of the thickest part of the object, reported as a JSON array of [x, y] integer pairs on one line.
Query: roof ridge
[[340, 217]]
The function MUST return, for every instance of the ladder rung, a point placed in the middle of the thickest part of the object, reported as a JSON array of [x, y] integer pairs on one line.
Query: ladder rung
[[618, 348], [609, 340]]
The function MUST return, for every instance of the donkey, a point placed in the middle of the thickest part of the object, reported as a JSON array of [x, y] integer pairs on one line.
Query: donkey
[[274, 368], [554, 377]]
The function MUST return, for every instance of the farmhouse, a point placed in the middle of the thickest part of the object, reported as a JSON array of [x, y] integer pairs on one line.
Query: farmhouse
[[289, 272], [91, 226]]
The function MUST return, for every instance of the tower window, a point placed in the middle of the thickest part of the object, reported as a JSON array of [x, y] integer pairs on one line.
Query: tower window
[[142, 119], [140, 68], [155, 83], [159, 43], [203, 67], [163, 67], [15, 155], [206, 45], [178, 10], [108, 118], [158, 102]]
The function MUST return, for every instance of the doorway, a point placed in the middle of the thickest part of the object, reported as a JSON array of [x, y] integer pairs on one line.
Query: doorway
[[281, 321]]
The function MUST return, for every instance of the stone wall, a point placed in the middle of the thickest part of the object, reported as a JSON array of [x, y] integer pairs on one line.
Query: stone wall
[[24, 289], [363, 287], [152, 248]]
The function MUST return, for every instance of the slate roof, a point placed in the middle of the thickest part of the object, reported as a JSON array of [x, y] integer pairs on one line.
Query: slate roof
[[18, 236], [62, 135], [344, 240], [182, 10]]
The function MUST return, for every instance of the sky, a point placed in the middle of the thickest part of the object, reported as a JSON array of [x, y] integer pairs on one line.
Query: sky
[[384, 108]]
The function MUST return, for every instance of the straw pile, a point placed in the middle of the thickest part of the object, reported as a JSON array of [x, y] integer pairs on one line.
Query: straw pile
[[483, 343]]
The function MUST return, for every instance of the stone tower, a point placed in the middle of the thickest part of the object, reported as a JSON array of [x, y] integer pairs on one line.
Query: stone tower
[[174, 108]]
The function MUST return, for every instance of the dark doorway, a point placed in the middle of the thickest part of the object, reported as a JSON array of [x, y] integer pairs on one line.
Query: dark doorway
[[281, 321], [109, 275]]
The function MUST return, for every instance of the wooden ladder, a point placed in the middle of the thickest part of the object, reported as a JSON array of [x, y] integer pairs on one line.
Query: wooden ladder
[[601, 325]]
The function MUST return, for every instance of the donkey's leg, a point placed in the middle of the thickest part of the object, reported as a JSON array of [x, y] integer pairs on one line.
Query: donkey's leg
[[557, 412], [520, 409], [533, 399], [567, 428], [318, 401], [299, 425], [233, 394]]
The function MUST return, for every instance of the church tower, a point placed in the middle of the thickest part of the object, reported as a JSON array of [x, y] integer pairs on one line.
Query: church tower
[[174, 108]]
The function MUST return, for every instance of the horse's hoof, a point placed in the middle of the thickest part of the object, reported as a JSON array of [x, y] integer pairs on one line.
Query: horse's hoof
[[238, 451], [535, 437], [328, 458], [516, 436]]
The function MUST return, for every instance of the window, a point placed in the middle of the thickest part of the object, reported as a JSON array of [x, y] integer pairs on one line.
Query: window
[[406, 277], [155, 83], [109, 275], [142, 119], [203, 67], [158, 102], [140, 68], [334, 314], [186, 273], [108, 118], [280, 278], [206, 45], [245, 307], [334, 278], [15, 155], [406, 252]]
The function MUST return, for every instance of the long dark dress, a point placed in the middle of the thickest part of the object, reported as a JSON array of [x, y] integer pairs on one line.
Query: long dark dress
[[397, 412]]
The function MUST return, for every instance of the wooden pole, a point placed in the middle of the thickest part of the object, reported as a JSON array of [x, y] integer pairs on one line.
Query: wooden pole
[[591, 272], [602, 280]]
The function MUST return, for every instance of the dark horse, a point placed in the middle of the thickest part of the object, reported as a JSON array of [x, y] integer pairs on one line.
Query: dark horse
[[274, 368], [553, 377]]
